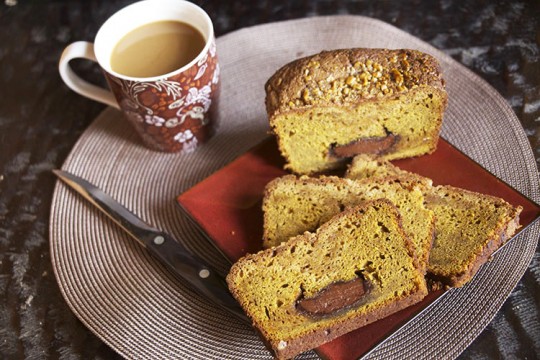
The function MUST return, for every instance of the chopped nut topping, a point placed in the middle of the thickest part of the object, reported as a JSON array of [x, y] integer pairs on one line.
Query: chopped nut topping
[[401, 88], [398, 78], [365, 76], [305, 94]]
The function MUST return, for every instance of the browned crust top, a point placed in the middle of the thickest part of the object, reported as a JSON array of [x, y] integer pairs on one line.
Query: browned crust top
[[350, 76]]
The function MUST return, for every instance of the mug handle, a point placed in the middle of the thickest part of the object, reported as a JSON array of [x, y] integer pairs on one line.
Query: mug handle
[[83, 50]]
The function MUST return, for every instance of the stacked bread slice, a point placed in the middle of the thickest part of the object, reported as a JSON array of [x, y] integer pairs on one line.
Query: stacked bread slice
[[469, 226], [342, 252], [293, 205]]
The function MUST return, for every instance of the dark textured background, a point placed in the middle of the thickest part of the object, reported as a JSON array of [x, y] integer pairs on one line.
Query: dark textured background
[[40, 121]]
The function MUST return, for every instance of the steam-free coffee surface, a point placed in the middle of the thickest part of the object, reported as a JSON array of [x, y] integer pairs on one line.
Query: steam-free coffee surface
[[156, 49]]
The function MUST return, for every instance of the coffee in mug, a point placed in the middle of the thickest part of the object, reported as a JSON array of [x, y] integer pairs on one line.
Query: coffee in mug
[[159, 59], [157, 48]]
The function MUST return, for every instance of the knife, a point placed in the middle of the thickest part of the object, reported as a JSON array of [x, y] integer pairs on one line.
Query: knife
[[161, 245]]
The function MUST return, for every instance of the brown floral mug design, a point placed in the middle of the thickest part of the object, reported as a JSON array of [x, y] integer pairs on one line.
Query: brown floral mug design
[[174, 112]]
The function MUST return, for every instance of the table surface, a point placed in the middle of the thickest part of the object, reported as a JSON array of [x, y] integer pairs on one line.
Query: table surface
[[41, 119]]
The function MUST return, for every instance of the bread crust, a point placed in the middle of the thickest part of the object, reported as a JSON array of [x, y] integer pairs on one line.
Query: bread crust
[[320, 79], [325, 335]]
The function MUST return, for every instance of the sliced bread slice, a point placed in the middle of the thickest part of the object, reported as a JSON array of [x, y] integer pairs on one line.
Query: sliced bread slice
[[355, 269], [293, 205]]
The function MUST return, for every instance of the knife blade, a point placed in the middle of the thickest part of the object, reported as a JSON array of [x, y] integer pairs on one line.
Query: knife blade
[[161, 245]]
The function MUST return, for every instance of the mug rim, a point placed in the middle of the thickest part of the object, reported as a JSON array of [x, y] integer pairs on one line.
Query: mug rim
[[105, 63]]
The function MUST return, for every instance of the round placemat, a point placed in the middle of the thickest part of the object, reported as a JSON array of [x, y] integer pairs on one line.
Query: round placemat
[[142, 311]]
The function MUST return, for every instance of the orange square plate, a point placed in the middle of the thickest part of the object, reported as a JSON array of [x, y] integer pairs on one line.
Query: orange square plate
[[227, 208]]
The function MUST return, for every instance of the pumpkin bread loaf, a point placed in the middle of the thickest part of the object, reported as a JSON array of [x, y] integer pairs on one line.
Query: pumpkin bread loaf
[[292, 205], [331, 106], [469, 226], [355, 269]]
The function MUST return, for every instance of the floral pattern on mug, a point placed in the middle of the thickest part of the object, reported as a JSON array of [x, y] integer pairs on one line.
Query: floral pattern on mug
[[175, 113], [188, 140]]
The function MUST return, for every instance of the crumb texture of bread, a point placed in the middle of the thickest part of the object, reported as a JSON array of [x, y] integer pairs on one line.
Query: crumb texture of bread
[[340, 97], [293, 205], [364, 242], [469, 226]]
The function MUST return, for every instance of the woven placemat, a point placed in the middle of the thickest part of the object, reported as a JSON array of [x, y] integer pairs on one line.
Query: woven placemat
[[141, 311]]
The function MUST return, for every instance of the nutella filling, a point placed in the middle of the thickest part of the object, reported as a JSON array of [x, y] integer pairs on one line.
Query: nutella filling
[[375, 145], [334, 298]]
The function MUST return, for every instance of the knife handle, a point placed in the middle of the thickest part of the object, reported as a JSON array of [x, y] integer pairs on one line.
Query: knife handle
[[186, 265]]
